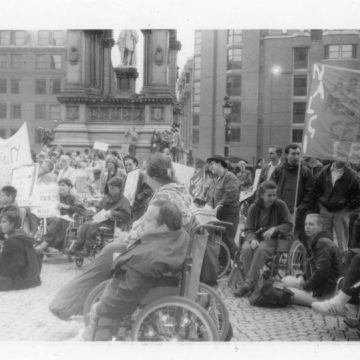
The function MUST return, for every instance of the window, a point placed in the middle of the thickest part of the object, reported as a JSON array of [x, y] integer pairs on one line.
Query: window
[[3, 111], [2, 133], [3, 86], [58, 37], [235, 115], [55, 86], [196, 92], [41, 61], [40, 111], [3, 61], [15, 111], [300, 85], [55, 62], [235, 37], [15, 86], [299, 109], [235, 134], [40, 87], [5, 38], [196, 115], [300, 58], [44, 37], [197, 49], [233, 85], [55, 113], [196, 134], [340, 52], [234, 59], [16, 61], [187, 78], [19, 37], [297, 135]]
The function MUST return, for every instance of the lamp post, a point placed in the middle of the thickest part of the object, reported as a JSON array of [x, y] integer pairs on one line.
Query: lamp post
[[226, 114]]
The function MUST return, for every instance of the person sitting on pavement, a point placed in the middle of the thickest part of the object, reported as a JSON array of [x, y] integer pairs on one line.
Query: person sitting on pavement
[[222, 194], [117, 212], [56, 226], [160, 176], [161, 249], [346, 301], [143, 192], [20, 265], [324, 265], [7, 199], [268, 217]]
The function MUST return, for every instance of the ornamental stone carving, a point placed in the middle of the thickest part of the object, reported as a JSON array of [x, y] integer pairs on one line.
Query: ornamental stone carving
[[72, 113], [159, 56], [73, 55], [157, 114]]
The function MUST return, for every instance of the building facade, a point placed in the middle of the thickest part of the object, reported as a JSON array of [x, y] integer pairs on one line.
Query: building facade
[[32, 74], [265, 75]]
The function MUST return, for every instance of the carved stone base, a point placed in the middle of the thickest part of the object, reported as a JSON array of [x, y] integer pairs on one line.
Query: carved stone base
[[126, 79]]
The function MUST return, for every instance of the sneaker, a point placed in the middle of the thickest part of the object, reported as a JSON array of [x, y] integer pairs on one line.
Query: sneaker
[[244, 290], [330, 307]]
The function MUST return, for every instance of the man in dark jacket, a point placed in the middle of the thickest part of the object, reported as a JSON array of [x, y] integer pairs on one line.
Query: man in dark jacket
[[161, 249], [336, 192], [285, 177], [324, 264], [115, 208]]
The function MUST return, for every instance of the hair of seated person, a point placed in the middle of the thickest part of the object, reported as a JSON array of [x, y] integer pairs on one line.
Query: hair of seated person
[[9, 190], [13, 216], [169, 214]]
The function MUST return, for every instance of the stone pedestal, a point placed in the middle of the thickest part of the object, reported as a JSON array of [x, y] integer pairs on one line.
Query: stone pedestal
[[126, 80]]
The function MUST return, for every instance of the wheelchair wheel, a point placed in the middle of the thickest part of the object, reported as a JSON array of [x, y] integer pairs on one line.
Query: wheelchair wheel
[[92, 298], [297, 259], [79, 261], [174, 318], [224, 260], [211, 301]]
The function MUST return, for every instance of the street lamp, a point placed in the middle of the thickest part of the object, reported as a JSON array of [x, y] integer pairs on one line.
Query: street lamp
[[226, 114]]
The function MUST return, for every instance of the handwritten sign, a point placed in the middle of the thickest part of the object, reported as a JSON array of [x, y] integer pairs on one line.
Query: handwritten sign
[[98, 145], [23, 180], [332, 124], [45, 200]]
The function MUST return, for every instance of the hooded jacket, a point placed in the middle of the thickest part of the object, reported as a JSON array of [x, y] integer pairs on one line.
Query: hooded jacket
[[20, 262]]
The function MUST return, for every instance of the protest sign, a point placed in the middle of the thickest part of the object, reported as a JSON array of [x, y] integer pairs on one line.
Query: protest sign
[[23, 180], [183, 173], [196, 183], [14, 152], [98, 145], [45, 200], [131, 184], [332, 123]]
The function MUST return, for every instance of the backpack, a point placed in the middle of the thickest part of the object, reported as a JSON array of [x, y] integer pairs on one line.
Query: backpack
[[270, 293]]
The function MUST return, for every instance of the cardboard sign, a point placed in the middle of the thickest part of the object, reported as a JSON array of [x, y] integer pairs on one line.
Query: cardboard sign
[[131, 184], [23, 180], [98, 145], [45, 200]]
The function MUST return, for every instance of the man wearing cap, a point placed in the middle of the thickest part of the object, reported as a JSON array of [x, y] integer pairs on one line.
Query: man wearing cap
[[143, 191], [118, 210], [223, 195]]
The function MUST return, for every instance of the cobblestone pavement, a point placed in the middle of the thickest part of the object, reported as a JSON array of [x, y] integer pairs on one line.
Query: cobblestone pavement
[[24, 315]]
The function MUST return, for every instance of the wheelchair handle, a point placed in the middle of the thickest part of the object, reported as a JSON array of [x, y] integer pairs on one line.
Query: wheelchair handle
[[210, 227], [220, 223]]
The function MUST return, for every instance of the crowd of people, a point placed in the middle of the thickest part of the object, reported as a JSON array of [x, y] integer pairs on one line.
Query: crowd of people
[[317, 202]]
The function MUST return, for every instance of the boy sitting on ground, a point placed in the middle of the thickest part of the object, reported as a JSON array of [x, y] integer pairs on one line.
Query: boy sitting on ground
[[324, 263], [161, 249]]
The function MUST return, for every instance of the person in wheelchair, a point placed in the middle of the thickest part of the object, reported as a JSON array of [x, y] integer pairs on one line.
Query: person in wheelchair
[[324, 265], [161, 249], [56, 227], [267, 218], [117, 208], [346, 301]]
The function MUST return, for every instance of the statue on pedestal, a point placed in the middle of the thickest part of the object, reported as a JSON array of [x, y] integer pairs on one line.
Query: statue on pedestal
[[126, 42]]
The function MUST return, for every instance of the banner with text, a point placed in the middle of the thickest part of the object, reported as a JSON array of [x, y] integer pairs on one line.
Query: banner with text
[[332, 123], [14, 152]]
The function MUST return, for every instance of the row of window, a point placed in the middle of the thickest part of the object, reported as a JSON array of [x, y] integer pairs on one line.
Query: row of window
[[21, 37], [40, 111], [42, 61], [41, 86]]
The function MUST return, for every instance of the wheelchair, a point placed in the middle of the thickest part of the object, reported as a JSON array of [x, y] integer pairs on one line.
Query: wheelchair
[[180, 308]]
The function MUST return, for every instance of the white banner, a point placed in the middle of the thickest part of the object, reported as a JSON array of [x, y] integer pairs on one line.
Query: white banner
[[14, 152]]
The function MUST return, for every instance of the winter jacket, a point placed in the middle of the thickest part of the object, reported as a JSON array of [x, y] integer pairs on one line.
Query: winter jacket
[[325, 265], [344, 194], [139, 268], [259, 217], [20, 262], [285, 176]]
